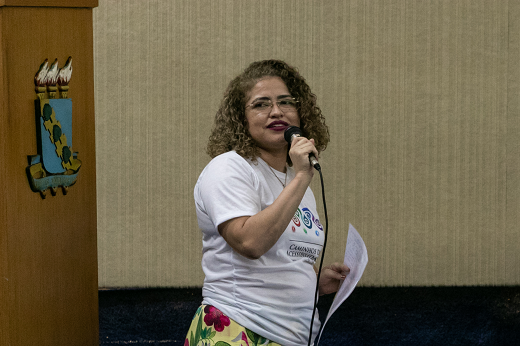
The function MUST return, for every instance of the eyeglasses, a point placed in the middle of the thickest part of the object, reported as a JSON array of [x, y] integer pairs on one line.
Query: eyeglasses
[[286, 105]]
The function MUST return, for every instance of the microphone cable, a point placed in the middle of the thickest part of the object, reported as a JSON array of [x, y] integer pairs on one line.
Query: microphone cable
[[315, 306], [289, 133]]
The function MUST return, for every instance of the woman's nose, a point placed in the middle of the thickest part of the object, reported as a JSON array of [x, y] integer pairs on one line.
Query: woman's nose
[[275, 110]]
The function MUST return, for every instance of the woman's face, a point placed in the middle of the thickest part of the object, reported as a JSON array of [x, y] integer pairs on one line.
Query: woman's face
[[267, 127]]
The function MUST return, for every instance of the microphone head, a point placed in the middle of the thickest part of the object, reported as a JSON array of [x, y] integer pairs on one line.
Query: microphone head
[[290, 132]]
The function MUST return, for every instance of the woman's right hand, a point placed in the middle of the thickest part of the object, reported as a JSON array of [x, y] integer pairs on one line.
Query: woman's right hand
[[301, 147]]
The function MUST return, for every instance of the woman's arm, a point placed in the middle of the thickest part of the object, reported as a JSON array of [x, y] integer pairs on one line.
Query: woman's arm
[[253, 236]]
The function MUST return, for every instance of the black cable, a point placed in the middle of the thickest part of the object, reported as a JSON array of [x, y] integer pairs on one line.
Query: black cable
[[322, 254]]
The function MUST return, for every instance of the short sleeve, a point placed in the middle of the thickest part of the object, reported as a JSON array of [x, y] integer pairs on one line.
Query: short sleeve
[[227, 188]]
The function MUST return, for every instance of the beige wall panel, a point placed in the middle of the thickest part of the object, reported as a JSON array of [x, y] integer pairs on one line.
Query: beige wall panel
[[512, 128], [422, 103]]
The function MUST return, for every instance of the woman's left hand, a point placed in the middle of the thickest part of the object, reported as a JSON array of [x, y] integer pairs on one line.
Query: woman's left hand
[[331, 277]]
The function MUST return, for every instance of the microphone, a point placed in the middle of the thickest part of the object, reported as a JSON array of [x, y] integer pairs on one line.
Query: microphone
[[295, 131]]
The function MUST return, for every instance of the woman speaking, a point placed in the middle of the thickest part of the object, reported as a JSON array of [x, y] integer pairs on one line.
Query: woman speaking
[[261, 233]]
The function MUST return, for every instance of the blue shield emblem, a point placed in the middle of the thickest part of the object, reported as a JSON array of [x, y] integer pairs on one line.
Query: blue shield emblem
[[56, 134]]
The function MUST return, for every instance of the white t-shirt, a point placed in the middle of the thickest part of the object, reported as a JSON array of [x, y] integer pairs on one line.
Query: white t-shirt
[[273, 295]]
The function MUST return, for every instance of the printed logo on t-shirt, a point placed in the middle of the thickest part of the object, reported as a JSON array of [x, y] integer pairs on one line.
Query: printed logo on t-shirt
[[306, 230], [304, 219]]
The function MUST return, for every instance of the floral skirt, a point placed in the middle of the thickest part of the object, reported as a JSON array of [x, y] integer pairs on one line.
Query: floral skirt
[[210, 327]]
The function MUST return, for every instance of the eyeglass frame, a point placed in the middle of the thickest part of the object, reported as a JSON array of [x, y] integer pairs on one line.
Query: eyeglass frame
[[277, 103]]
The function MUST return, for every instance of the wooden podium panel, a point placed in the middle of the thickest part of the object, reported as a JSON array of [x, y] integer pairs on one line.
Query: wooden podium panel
[[48, 249]]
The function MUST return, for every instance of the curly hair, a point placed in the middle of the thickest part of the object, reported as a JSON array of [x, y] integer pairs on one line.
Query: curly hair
[[230, 130]]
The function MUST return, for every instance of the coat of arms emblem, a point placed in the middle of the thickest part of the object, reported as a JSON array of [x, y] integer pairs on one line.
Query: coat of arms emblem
[[56, 165]]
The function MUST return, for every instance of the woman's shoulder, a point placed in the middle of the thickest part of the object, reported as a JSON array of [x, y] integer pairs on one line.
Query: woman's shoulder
[[230, 155], [227, 163], [225, 169], [230, 158]]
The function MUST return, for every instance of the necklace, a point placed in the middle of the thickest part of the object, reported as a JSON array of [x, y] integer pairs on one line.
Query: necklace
[[285, 181]]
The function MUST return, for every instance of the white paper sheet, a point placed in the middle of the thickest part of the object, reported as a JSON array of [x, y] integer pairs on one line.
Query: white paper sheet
[[356, 258]]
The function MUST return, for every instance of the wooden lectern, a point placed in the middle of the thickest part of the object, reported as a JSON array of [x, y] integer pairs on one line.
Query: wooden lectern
[[48, 249]]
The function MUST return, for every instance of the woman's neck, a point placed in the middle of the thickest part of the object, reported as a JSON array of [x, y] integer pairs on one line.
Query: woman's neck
[[276, 160]]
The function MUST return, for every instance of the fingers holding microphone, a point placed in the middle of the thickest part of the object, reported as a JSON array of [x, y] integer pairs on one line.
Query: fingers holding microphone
[[302, 151]]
